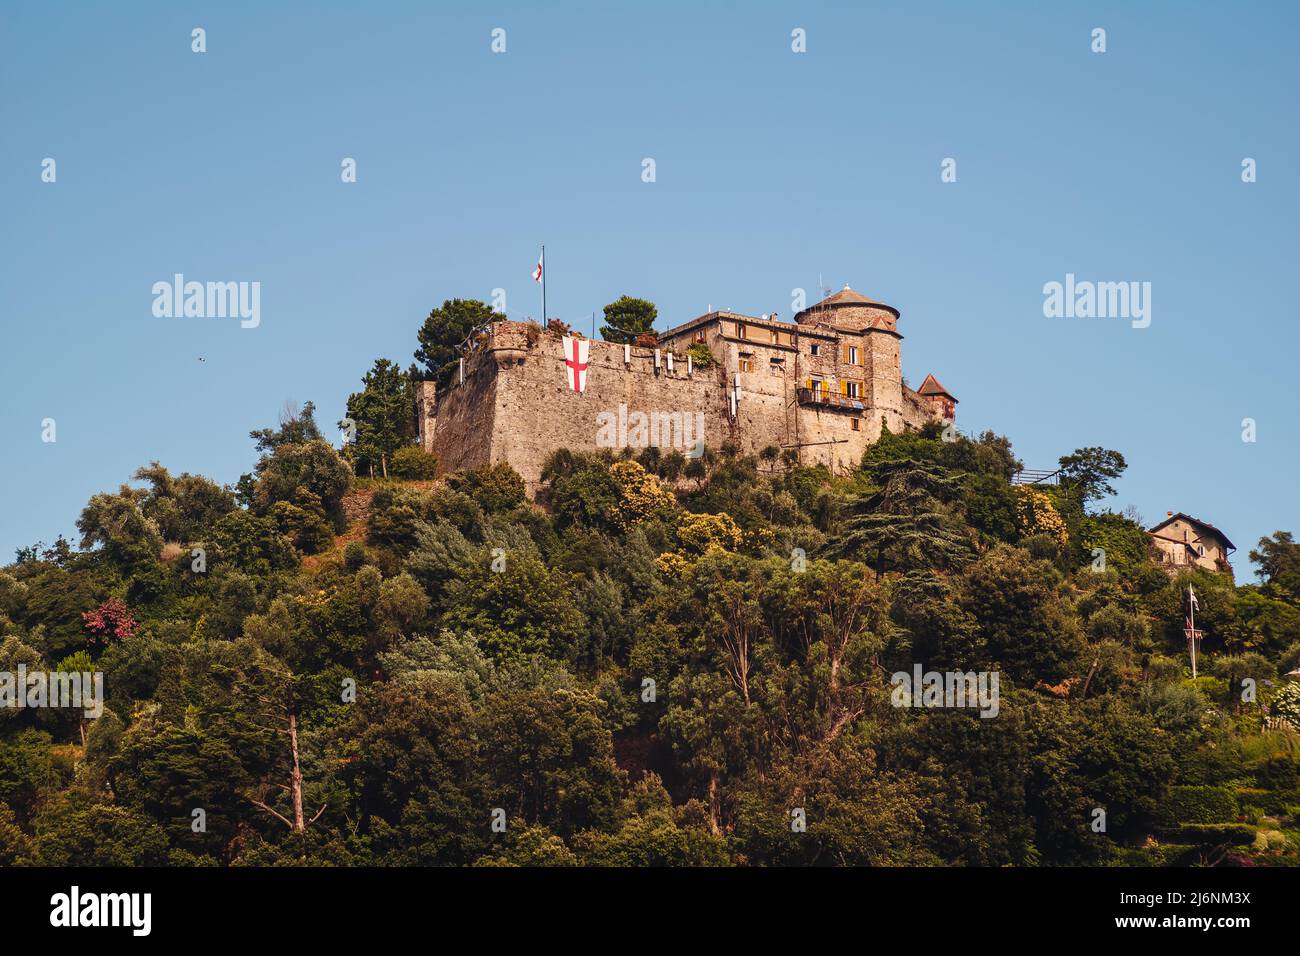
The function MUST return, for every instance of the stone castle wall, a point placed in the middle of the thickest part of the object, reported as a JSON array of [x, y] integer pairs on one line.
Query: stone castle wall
[[515, 404]]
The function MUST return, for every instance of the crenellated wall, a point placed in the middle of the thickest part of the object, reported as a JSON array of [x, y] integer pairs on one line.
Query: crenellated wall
[[515, 404]]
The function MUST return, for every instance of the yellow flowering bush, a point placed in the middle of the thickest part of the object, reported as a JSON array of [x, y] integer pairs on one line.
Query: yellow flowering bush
[[1035, 514], [642, 497], [672, 564], [699, 534]]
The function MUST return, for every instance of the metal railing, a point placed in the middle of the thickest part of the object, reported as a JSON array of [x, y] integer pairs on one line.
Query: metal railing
[[1035, 476], [821, 396]]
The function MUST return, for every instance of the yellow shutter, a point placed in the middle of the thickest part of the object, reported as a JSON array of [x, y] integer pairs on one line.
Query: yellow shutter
[[844, 387]]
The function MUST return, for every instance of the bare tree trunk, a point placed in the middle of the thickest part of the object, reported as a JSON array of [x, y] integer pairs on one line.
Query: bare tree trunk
[[840, 722], [1091, 674], [299, 823], [296, 778], [735, 637], [744, 672], [715, 810], [383, 463]]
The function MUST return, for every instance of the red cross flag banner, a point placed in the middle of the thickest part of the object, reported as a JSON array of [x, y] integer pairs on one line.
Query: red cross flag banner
[[575, 362]]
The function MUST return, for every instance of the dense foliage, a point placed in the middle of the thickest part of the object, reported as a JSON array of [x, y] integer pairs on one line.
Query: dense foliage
[[626, 318], [658, 662]]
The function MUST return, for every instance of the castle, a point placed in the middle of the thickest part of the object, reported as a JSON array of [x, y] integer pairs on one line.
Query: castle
[[821, 387]]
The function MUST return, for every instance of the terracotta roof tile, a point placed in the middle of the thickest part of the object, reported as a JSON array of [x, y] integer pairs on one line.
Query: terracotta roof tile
[[931, 386], [847, 296]]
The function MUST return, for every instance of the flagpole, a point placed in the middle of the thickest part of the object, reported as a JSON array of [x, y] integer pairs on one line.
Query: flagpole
[[544, 271], [1191, 617]]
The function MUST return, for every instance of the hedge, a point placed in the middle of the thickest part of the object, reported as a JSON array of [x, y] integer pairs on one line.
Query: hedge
[[1199, 804]]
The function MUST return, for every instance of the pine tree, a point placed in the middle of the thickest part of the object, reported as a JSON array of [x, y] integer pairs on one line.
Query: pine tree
[[626, 318], [910, 521], [384, 415]]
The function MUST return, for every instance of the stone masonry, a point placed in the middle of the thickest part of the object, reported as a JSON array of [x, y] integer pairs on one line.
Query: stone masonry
[[822, 385]]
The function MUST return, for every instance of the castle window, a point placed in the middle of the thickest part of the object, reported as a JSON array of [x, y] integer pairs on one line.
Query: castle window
[[856, 424], [853, 355], [816, 349], [746, 365], [1200, 549], [852, 390], [740, 330]]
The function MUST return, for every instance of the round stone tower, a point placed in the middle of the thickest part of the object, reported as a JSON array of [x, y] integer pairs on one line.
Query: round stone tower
[[850, 311], [869, 352]]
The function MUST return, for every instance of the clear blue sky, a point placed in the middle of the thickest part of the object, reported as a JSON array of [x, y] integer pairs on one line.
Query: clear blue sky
[[772, 169]]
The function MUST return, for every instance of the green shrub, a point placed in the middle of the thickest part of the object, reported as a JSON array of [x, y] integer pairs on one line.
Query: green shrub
[[497, 488], [671, 465], [354, 556], [1043, 547], [1211, 688], [700, 355], [1199, 805], [1279, 772], [413, 463], [1211, 833], [303, 522]]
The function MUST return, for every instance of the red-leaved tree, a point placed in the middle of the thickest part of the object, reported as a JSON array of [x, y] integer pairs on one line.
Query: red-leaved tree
[[111, 619]]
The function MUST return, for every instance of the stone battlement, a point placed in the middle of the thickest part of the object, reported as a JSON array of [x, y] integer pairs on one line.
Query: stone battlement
[[822, 386]]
